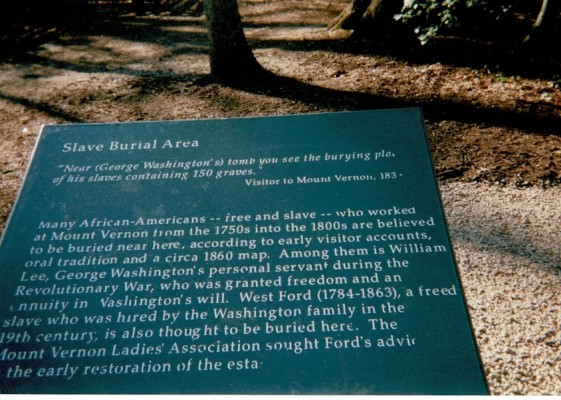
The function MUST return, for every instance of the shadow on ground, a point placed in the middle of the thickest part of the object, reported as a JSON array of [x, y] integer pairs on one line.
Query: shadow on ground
[[24, 29]]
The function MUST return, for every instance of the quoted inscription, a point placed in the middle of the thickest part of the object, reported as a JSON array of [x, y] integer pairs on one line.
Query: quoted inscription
[[251, 169]]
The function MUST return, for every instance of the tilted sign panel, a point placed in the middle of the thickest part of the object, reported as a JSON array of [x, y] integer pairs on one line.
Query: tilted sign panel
[[296, 254]]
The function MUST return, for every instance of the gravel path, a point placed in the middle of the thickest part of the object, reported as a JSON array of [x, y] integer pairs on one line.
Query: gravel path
[[508, 247]]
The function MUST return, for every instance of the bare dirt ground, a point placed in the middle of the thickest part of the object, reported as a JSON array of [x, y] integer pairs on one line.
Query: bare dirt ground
[[493, 113]]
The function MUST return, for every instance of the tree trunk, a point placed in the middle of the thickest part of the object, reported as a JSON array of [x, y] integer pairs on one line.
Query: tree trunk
[[549, 11], [230, 55], [367, 15]]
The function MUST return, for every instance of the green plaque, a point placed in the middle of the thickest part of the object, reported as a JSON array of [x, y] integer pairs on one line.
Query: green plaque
[[273, 255]]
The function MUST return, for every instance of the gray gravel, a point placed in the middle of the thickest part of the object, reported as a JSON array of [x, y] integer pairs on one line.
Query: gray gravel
[[508, 248]]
